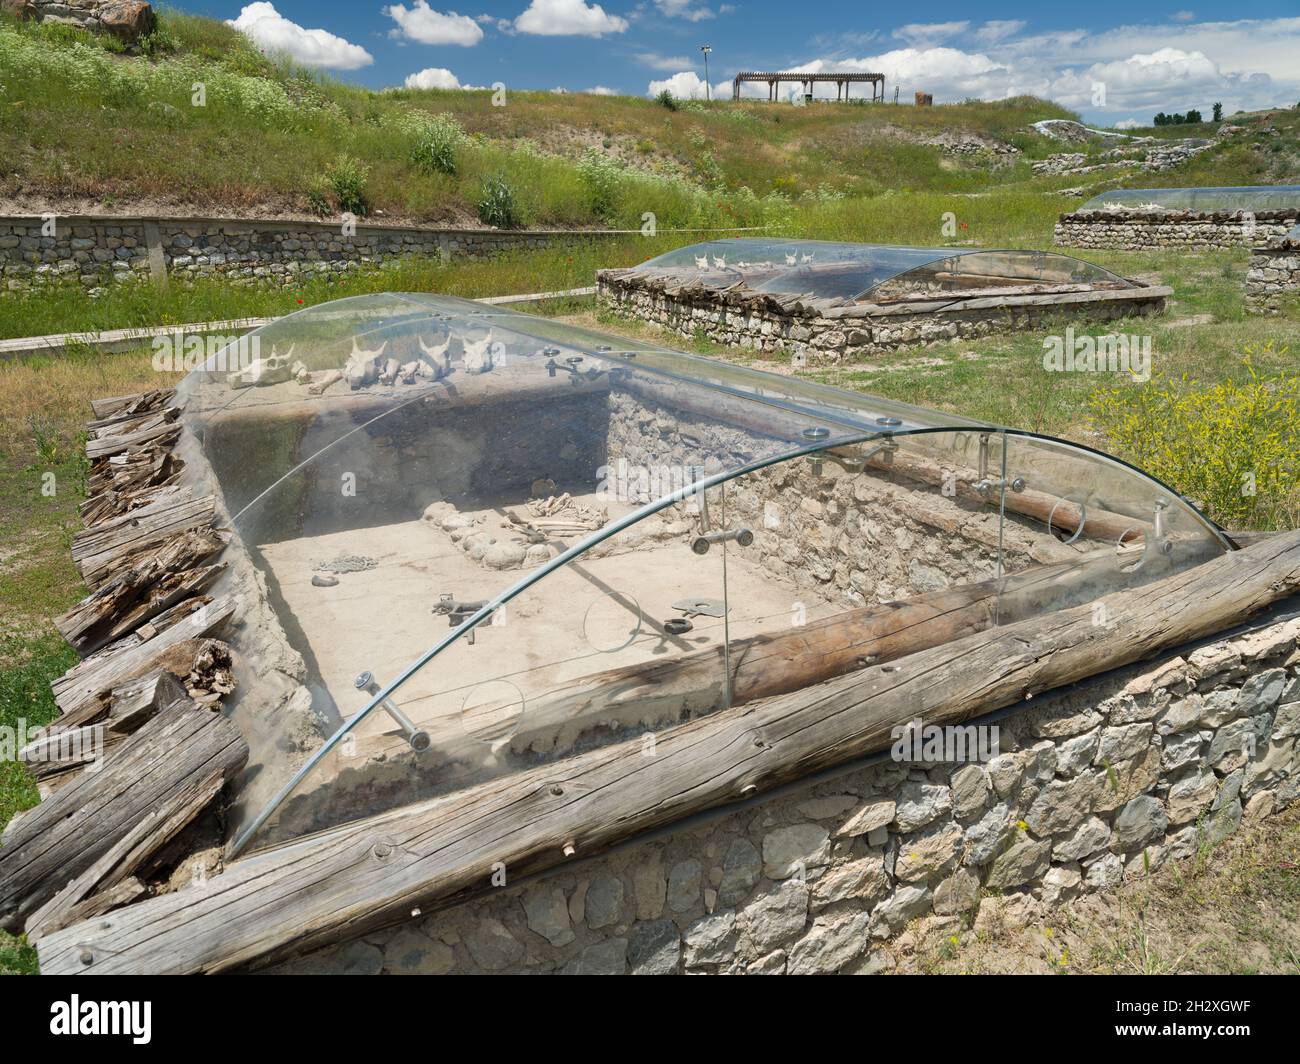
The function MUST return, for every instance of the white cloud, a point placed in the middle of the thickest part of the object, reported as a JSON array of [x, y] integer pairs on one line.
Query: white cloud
[[655, 61], [924, 32], [684, 9], [421, 23], [272, 32], [999, 30], [568, 18], [1184, 16], [1167, 79], [1127, 123], [601, 90], [432, 78], [688, 85], [1245, 64]]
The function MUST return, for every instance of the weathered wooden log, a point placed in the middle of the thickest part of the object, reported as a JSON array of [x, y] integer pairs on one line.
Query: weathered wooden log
[[172, 572], [374, 872], [1065, 514], [135, 655], [71, 740], [100, 552], [64, 836], [120, 861]]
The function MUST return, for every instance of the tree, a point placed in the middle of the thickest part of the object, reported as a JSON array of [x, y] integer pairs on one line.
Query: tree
[[1218, 112]]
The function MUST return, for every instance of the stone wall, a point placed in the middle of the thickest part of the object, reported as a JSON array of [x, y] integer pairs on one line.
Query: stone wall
[[1122, 230], [95, 251], [831, 340], [1090, 788], [1273, 276]]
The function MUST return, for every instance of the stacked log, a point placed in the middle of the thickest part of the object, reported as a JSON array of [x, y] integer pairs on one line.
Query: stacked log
[[137, 753]]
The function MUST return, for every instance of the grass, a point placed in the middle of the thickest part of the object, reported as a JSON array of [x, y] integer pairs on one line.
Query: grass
[[82, 121], [1233, 908], [565, 266], [37, 581], [43, 405]]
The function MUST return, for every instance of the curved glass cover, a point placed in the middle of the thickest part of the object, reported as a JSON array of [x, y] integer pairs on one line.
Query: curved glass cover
[[472, 542], [857, 272], [1227, 198]]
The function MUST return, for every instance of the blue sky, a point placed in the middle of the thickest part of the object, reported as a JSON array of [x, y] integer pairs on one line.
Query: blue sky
[[1100, 59]]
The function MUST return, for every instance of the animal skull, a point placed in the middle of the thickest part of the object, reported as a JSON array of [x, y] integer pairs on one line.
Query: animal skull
[[438, 358]]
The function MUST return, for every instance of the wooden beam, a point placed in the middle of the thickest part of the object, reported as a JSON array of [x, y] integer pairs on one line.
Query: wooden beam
[[372, 873], [66, 834], [134, 656], [174, 570], [776, 663], [107, 548]]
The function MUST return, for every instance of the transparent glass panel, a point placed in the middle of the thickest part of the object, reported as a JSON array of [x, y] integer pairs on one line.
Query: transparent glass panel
[[991, 272], [405, 472], [1227, 198], [627, 638], [852, 272], [1096, 525]]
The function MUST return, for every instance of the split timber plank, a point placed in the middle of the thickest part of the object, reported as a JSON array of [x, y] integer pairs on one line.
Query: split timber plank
[[124, 711], [107, 547], [65, 835], [161, 430], [174, 571], [372, 873], [158, 827], [114, 406], [113, 666]]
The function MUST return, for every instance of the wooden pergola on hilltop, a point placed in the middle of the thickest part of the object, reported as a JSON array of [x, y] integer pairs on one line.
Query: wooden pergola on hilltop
[[807, 80]]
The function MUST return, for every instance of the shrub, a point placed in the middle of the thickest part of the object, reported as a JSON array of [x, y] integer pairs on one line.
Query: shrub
[[318, 195], [497, 204], [601, 177], [439, 143], [347, 177], [1230, 446], [666, 99]]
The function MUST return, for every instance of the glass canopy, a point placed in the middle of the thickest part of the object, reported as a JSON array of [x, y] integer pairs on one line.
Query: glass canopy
[[482, 542], [1228, 198], [854, 272]]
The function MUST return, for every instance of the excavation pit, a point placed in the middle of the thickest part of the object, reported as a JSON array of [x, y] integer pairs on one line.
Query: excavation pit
[[513, 510]]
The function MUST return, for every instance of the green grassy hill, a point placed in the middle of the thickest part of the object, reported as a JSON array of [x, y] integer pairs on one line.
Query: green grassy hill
[[86, 126]]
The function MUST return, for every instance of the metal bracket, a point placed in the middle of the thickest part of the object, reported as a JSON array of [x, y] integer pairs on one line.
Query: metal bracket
[[701, 607], [701, 544], [417, 738]]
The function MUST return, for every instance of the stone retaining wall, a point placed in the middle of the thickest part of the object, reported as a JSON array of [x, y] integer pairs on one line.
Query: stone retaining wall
[[1144, 230], [1095, 787], [95, 251], [1273, 276], [825, 340]]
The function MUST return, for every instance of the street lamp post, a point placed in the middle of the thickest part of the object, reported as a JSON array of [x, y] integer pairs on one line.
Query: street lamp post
[[706, 49]]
